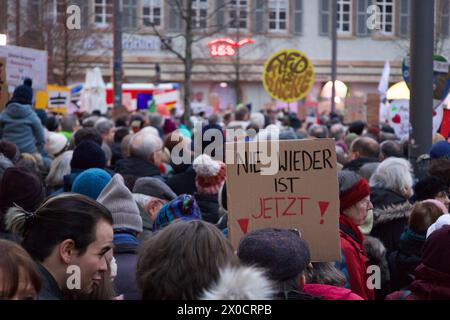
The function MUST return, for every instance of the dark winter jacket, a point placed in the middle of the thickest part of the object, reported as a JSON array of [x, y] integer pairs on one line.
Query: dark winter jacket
[[391, 213], [209, 207], [429, 284], [21, 125], [183, 183], [354, 260], [116, 150], [404, 261], [50, 289], [125, 251], [376, 252], [137, 168], [356, 165]]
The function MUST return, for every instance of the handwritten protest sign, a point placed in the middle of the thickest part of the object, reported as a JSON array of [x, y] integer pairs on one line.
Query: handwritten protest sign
[[355, 109], [288, 75], [302, 194], [373, 109]]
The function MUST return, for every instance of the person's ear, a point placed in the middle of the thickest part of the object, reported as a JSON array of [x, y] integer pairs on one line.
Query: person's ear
[[67, 250], [301, 282]]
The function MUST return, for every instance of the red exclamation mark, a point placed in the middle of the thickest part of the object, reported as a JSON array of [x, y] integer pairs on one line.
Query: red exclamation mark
[[323, 205]]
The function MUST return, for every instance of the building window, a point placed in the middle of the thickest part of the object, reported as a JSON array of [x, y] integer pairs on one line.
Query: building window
[[103, 10], [238, 14], [278, 15], [344, 16], [387, 16], [152, 12], [200, 13]]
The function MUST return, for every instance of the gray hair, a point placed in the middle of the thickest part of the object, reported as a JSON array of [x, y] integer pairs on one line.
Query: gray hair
[[143, 145], [325, 273], [347, 179], [337, 131], [318, 131], [68, 122], [156, 120], [103, 125], [394, 174], [60, 167]]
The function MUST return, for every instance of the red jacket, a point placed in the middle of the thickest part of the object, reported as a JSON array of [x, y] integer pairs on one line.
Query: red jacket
[[327, 292], [356, 261]]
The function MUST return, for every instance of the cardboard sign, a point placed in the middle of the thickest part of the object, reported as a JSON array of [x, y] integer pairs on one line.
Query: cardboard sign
[[373, 109], [303, 192], [2, 71], [355, 109], [4, 97], [288, 75]]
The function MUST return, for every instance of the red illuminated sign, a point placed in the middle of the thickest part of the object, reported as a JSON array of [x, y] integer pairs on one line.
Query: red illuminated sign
[[225, 47]]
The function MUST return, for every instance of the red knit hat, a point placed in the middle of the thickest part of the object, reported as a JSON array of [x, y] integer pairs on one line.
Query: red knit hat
[[356, 193], [211, 174]]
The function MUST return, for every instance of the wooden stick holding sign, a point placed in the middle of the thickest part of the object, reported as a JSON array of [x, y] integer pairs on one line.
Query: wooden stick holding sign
[[303, 194]]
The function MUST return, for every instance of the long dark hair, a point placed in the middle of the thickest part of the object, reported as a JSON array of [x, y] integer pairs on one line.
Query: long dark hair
[[66, 216]]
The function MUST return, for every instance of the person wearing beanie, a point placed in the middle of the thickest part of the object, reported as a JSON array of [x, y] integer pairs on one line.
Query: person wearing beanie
[[432, 276], [56, 144], [407, 258], [183, 208], [10, 150], [127, 226], [86, 155], [354, 196], [154, 188], [283, 254], [22, 188], [19, 124], [91, 183], [432, 188], [210, 177], [440, 150]]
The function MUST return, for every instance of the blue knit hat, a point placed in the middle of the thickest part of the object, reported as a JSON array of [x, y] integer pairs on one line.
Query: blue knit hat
[[184, 207], [440, 150], [87, 155], [91, 183]]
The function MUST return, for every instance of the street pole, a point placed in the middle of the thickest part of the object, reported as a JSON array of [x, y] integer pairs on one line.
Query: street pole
[[421, 108], [334, 54], [117, 54], [18, 15]]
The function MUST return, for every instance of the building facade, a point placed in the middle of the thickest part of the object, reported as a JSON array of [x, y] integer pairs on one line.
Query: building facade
[[272, 25]]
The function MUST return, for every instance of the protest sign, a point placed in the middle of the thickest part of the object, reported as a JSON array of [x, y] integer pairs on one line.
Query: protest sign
[[4, 95], [355, 109], [373, 109], [399, 117], [25, 63], [288, 75], [303, 193]]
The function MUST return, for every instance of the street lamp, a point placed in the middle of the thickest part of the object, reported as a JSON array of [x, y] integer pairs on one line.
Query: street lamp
[[3, 39]]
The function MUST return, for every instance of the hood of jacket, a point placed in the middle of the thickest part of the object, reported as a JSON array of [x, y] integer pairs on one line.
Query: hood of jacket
[[381, 197], [391, 213], [18, 111], [240, 283], [136, 166]]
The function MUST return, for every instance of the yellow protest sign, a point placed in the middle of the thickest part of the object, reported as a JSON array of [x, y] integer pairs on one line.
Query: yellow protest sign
[[56, 99], [288, 75]]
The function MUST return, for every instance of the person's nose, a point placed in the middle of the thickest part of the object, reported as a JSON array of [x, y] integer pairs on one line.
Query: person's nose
[[103, 267]]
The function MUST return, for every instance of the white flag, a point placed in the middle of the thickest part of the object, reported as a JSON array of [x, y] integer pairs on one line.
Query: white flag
[[384, 81]]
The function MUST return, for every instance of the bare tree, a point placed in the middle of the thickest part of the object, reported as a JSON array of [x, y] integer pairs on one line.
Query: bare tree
[[48, 30], [194, 29]]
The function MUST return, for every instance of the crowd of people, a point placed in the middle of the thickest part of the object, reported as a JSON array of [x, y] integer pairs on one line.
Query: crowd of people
[[95, 207]]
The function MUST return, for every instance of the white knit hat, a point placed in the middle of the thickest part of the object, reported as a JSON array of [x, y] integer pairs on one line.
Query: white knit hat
[[211, 174], [119, 200], [55, 143]]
